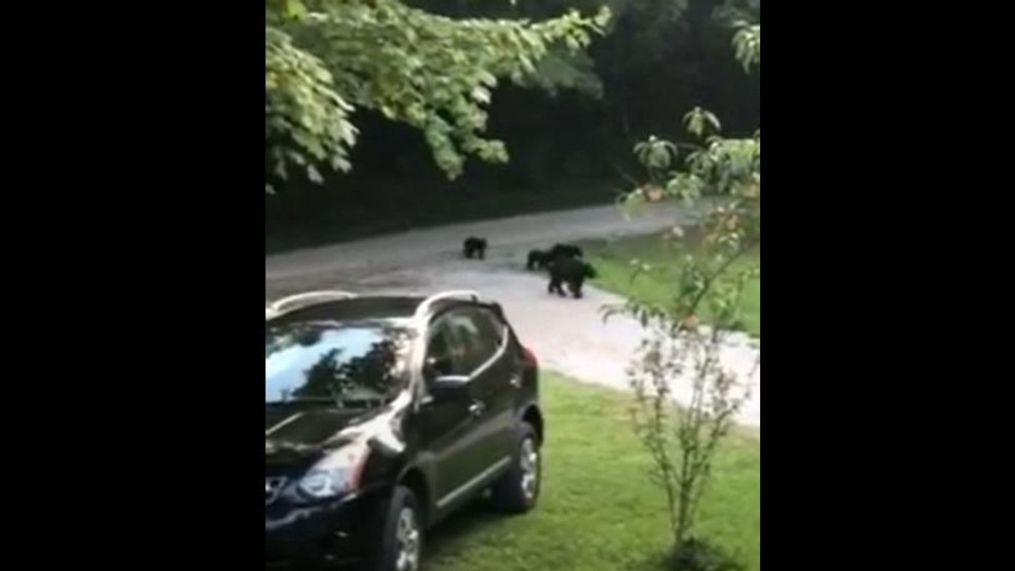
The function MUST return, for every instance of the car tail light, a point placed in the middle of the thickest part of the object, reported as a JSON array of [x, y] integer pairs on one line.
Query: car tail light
[[529, 357]]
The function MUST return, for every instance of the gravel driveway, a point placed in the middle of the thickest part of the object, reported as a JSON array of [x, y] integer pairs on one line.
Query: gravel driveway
[[567, 335]]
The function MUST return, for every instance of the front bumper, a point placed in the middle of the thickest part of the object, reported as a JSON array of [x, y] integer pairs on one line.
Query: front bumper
[[339, 532]]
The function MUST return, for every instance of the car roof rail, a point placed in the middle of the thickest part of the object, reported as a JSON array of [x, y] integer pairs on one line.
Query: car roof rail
[[310, 297], [426, 304], [300, 300]]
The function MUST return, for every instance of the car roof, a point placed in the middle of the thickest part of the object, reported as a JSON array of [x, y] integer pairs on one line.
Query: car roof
[[352, 308], [344, 306]]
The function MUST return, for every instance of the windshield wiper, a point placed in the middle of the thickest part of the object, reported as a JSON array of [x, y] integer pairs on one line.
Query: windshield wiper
[[337, 401], [300, 400], [362, 402]]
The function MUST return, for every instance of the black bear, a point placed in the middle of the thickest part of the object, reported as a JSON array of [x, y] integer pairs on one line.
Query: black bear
[[571, 271], [538, 259], [474, 247], [542, 258], [565, 250]]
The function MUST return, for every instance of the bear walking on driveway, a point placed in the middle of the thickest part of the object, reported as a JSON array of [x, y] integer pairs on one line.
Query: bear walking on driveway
[[474, 247], [570, 271]]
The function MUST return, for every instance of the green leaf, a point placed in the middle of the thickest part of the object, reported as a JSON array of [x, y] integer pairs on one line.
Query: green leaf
[[699, 121], [314, 175], [295, 9]]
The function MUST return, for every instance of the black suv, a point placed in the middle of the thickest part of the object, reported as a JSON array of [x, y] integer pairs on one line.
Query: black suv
[[384, 415]]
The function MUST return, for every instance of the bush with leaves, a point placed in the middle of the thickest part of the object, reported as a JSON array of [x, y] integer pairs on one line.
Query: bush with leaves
[[680, 354], [326, 58]]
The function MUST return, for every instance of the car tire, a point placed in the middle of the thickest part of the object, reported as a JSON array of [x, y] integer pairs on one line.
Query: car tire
[[518, 489], [401, 534]]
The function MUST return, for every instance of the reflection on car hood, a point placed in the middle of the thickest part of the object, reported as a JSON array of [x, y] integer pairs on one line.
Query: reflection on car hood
[[304, 435], [312, 428]]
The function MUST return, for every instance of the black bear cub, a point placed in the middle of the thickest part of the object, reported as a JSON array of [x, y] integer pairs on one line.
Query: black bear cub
[[538, 259], [565, 250], [543, 258], [474, 247], [570, 271]]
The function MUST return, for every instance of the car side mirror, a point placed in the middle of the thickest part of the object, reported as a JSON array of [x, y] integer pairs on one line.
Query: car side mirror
[[436, 367], [449, 388]]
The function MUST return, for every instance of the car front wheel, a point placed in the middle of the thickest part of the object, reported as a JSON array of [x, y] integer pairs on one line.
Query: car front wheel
[[402, 534]]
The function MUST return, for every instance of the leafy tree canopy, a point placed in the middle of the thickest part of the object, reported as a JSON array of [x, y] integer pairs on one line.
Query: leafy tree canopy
[[324, 59]]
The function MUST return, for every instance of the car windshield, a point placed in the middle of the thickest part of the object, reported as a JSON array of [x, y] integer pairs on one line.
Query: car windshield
[[348, 365]]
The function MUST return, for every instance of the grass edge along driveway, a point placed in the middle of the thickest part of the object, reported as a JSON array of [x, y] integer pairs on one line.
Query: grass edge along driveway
[[612, 260]]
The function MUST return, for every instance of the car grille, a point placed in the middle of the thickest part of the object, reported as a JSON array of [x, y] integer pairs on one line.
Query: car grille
[[273, 487]]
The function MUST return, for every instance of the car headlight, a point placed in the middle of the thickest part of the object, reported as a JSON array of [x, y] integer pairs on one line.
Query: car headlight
[[338, 473]]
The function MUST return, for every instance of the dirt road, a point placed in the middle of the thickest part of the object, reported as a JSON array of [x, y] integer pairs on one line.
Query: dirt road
[[567, 335]]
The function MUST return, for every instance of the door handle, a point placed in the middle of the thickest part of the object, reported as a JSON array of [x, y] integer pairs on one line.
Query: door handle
[[516, 382], [477, 408]]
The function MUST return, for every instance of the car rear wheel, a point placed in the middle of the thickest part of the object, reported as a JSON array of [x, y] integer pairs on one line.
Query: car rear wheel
[[518, 490], [402, 534]]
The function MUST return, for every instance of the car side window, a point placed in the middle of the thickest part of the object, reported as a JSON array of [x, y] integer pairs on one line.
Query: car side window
[[490, 326], [442, 355], [475, 335], [463, 340]]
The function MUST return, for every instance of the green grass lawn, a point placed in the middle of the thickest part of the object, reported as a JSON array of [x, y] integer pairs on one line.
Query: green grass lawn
[[597, 509], [612, 260]]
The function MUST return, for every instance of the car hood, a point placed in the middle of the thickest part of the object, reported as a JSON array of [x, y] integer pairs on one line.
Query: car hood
[[304, 436], [312, 428], [300, 439]]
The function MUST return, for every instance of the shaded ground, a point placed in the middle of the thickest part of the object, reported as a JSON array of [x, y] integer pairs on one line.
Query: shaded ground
[[370, 205]]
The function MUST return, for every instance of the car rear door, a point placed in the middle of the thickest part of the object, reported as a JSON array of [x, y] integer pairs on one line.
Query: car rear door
[[468, 440], [494, 384]]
